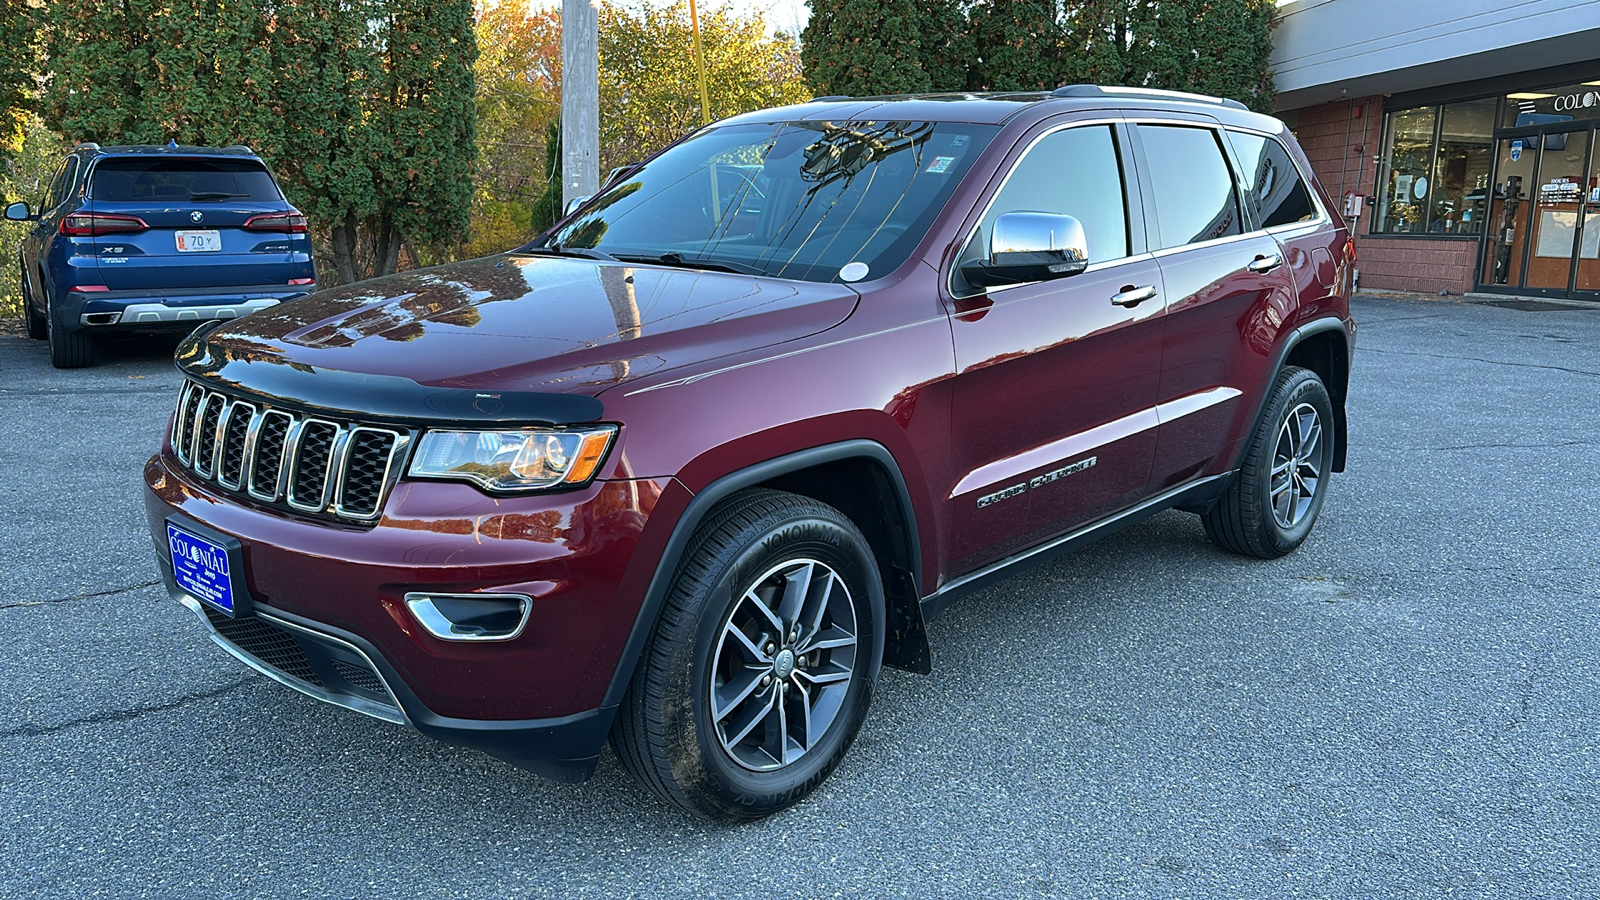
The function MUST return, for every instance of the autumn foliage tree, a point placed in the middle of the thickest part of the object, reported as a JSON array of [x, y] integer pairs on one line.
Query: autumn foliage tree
[[649, 94], [19, 60]]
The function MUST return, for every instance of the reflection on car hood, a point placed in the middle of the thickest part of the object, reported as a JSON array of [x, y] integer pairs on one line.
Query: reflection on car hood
[[524, 323]]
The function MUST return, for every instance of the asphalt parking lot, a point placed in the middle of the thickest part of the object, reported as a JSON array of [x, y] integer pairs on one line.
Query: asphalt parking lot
[[1407, 707]]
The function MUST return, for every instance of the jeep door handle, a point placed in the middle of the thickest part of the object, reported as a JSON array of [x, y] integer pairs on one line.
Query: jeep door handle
[[1263, 264], [1131, 296]]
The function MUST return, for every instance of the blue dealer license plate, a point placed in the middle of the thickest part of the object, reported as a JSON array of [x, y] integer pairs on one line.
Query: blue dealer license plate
[[202, 568]]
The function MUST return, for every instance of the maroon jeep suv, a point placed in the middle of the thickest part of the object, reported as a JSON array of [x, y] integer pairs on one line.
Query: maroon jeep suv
[[687, 470]]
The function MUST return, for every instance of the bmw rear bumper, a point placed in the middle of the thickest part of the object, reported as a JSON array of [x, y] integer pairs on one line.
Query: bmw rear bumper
[[181, 307]]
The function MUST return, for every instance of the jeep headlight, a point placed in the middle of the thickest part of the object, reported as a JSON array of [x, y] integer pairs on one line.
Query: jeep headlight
[[528, 459]]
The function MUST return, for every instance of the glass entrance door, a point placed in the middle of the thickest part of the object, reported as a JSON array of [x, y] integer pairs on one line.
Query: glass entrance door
[[1556, 209], [1588, 275], [1506, 237], [1543, 186]]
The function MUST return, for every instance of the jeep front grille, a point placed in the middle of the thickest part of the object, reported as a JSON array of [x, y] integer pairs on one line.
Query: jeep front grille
[[305, 463]]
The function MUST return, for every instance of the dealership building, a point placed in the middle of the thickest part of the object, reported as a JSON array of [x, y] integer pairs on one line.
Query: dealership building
[[1459, 137]]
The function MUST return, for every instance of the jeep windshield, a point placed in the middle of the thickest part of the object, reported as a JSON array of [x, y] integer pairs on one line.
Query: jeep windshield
[[813, 201]]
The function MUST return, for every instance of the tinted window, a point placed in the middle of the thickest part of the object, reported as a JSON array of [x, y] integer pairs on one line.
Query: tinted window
[[141, 180], [1074, 172], [815, 201], [1272, 185], [1193, 188], [58, 184]]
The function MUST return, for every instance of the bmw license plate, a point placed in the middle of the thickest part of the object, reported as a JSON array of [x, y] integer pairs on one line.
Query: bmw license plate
[[203, 568], [199, 241]]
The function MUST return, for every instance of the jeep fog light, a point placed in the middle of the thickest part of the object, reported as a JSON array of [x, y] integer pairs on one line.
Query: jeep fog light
[[470, 617]]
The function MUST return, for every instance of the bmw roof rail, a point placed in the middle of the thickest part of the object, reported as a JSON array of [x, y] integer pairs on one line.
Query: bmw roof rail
[[828, 97], [87, 145], [1095, 90]]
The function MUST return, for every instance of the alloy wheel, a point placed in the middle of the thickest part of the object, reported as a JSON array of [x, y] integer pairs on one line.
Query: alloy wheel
[[783, 664], [1296, 463]]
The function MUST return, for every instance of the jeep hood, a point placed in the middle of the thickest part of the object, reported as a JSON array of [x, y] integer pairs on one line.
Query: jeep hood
[[518, 323]]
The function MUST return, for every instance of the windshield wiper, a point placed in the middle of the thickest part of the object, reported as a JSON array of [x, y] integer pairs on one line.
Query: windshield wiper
[[580, 252], [214, 195], [678, 260]]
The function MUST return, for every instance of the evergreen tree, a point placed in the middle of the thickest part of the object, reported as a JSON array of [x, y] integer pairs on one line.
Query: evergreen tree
[[947, 47], [1017, 45], [427, 122], [1234, 58], [364, 107], [863, 48], [1095, 42], [326, 75]]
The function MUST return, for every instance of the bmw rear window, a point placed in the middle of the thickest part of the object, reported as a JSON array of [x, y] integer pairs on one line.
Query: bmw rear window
[[141, 180]]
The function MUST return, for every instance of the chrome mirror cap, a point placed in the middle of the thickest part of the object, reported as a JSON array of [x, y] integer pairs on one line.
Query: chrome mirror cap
[[1030, 246]]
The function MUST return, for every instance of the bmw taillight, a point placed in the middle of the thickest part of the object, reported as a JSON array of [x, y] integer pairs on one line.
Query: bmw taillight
[[288, 223], [91, 224]]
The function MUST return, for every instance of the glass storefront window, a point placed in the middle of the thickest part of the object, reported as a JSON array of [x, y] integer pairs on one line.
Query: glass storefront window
[[1408, 154], [1461, 170], [1437, 164]]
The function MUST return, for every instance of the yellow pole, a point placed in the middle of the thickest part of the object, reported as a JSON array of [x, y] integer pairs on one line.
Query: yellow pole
[[700, 65]]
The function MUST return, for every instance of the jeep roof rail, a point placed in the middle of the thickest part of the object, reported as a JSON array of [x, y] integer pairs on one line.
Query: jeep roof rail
[[827, 97], [86, 145], [1095, 90]]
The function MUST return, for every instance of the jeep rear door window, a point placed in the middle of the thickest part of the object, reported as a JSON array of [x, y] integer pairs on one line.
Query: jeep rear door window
[[1272, 185], [1075, 173], [1192, 185], [181, 180], [814, 201]]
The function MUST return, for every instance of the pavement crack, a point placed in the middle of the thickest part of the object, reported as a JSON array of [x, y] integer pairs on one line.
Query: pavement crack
[[51, 392], [111, 593], [1556, 445], [1492, 362], [122, 715]]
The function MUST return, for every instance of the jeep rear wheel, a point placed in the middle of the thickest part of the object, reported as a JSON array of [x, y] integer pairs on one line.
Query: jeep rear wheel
[[1274, 499], [763, 661]]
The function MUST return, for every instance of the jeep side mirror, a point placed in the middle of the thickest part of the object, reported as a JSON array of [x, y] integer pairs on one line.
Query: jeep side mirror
[[18, 212], [1030, 246], [618, 172], [573, 204]]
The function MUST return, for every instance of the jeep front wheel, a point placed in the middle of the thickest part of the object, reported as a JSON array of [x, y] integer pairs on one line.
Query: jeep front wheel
[[763, 660]]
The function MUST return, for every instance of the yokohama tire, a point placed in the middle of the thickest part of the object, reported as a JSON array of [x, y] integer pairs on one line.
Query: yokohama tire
[[1272, 504], [789, 554]]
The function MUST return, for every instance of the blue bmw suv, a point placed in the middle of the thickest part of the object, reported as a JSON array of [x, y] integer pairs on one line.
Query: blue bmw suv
[[156, 238]]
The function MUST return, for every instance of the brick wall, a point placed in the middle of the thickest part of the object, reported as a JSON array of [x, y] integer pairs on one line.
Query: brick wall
[[1343, 140]]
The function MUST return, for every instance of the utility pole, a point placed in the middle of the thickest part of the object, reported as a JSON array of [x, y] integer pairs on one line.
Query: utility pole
[[699, 65], [580, 99]]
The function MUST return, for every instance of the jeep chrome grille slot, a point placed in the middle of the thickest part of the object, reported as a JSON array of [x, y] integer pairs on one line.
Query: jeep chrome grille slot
[[316, 444], [311, 465], [235, 435], [266, 463]]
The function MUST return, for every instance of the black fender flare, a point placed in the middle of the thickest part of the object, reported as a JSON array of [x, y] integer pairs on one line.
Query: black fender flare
[[906, 644], [1296, 337]]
